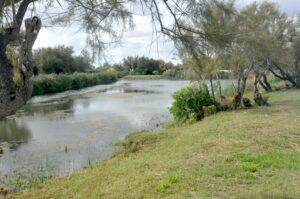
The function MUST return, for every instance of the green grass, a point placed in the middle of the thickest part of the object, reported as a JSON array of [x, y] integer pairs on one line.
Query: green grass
[[244, 154], [143, 77]]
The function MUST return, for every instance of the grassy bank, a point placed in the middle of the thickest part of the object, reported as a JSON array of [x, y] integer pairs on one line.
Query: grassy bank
[[143, 77], [244, 154], [45, 84]]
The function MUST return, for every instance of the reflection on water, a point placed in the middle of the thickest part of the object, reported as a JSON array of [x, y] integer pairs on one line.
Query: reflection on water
[[13, 131], [53, 109], [84, 122]]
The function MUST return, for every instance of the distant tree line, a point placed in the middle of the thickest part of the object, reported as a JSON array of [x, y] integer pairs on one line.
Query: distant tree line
[[60, 59], [140, 66]]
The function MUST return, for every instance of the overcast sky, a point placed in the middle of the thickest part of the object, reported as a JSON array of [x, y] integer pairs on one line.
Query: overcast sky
[[136, 42]]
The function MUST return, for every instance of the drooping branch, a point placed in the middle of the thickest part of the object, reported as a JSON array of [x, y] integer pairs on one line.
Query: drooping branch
[[283, 75], [178, 31]]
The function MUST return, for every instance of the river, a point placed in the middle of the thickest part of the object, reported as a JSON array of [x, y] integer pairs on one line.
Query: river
[[68, 131]]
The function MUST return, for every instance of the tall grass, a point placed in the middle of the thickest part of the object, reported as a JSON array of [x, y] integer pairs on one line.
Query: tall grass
[[46, 84]]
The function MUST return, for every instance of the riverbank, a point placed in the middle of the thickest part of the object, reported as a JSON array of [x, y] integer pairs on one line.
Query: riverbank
[[53, 83], [143, 77], [251, 153]]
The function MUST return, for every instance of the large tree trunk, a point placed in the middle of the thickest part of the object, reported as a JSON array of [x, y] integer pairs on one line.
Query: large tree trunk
[[241, 86], [266, 83], [239, 91], [259, 100], [262, 80], [12, 96]]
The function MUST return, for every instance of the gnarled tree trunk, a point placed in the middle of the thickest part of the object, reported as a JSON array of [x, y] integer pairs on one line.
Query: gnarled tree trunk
[[241, 85], [13, 96], [262, 80], [266, 83]]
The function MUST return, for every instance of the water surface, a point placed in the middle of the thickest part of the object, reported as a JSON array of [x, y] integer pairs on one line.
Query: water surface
[[68, 130]]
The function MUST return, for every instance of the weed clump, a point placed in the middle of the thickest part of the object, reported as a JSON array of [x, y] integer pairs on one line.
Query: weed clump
[[166, 182]]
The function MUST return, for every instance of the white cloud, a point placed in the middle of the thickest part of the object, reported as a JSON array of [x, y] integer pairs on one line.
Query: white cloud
[[50, 37], [139, 42], [289, 6]]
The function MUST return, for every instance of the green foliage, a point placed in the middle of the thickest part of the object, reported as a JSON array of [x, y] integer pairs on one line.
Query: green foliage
[[166, 182], [143, 77], [39, 176], [140, 66], [60, 60], [272, 159], [13, 57], [249, 168], [209, 110], [249, 175], [155, 72], [192, 118], [189, 102], [89, 163], [45, 84]]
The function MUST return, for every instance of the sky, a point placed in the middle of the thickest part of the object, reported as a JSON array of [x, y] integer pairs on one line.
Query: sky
[[139, 42]]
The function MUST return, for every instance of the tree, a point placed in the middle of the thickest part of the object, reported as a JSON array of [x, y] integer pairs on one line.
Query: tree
[[192, 25], [97, 18], [258, 38], [60, 59], [213, 31], [13, 96], [296, 47], [54, 60], [142, 66]]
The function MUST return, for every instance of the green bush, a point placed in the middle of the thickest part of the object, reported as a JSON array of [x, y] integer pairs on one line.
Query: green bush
[[155, 72], [209, 110], [189, 102], [46, 84]]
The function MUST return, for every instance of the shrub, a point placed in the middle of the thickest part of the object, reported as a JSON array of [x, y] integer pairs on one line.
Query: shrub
[[45, 84], [209, 110], [155, 72], [189, 102]]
